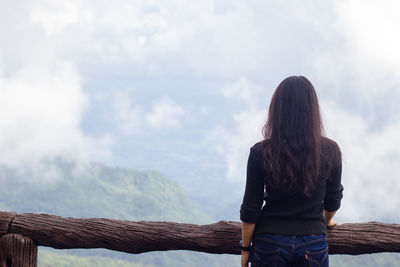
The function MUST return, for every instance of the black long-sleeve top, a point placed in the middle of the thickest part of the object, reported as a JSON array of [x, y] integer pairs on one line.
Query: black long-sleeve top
[[291, 214]]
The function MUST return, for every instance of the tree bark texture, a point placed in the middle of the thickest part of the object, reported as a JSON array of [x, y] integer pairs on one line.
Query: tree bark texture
[[219, 238], [17, 251]]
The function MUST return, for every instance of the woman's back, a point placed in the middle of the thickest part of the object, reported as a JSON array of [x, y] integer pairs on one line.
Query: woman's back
[[290, 213]]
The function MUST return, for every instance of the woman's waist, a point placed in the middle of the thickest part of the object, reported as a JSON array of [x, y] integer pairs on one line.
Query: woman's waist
[[290, 225]]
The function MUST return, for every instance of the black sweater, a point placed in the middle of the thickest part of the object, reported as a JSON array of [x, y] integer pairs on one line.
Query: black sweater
[[291, 214]]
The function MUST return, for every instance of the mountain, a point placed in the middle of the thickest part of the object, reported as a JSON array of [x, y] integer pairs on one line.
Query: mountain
[[99, 191], [96, 190]]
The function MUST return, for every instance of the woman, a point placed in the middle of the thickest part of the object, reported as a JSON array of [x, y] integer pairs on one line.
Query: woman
[[297, 172]]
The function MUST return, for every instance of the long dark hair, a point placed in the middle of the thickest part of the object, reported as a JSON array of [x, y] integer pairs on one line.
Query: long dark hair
[[293, 134]]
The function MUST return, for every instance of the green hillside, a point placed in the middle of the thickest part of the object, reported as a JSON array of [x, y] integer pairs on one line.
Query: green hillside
[[100, 191]]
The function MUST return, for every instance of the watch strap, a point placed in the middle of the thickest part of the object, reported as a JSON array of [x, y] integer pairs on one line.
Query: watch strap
[[244, 248]]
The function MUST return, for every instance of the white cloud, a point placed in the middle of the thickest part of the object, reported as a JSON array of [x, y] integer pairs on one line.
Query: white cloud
[[234, 144], [129, 118], [54, 16], [42, 102], [165, 114], [371, 28], [153, 37], [356, 59], [40, 115], [245, 91], [370, 164]]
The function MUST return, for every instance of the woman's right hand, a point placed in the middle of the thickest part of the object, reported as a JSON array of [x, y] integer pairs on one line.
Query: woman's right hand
[[331, 223], [328, 215]]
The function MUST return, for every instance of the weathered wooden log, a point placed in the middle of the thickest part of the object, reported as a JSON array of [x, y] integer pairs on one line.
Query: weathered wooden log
[[364, 238], [222, 237], [127, 236], [17, 251], [5, 221]]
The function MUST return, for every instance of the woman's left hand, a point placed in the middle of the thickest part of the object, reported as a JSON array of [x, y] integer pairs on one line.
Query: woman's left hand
[[245, 258]]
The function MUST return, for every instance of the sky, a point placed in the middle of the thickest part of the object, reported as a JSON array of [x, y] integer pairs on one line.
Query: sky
[[182, 87]]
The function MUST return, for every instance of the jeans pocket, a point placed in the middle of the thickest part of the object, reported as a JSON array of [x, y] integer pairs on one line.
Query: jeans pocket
[[317, 258], [264, 258]]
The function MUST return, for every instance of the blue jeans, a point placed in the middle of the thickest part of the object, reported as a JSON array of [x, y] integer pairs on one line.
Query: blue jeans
[[284, 251]]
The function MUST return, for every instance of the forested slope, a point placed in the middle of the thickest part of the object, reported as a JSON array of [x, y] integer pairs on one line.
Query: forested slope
[[99, 191]]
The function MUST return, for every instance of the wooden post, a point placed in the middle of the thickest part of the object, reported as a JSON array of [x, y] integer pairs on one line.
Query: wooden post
[[17, 251]]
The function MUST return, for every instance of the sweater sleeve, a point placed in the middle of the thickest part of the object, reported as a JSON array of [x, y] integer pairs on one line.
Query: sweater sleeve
[[334, 187], [250, 209]]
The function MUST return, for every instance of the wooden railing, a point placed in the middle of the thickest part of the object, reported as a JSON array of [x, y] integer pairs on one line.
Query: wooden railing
[[20, 234]]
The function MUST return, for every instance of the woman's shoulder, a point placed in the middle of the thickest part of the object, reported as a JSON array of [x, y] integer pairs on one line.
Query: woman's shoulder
[[331, 149], [329, 144], [257, 149], [259, 145]]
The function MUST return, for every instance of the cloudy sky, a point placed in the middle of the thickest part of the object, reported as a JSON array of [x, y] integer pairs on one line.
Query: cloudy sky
[[182, 87]]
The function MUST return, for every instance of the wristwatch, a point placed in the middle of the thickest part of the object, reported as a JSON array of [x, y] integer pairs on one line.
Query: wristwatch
[[248, 248]]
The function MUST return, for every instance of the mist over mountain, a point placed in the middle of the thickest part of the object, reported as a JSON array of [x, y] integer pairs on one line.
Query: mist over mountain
[[96, 190]]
